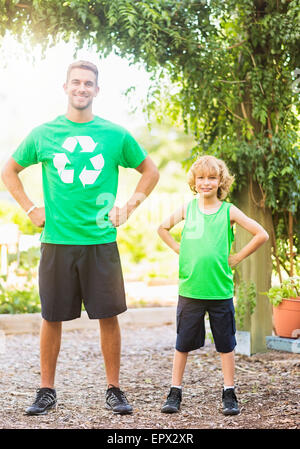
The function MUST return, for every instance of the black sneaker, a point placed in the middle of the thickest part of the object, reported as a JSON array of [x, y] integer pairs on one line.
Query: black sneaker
[[172, 404], [44, 401], [230, 403], [117, 402]]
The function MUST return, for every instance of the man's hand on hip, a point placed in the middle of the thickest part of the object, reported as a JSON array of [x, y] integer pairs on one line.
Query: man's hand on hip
[[37, 216], [118, 215]]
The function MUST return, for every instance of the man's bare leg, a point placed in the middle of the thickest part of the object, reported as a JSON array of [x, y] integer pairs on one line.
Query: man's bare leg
[[111, 348], [50, 339]]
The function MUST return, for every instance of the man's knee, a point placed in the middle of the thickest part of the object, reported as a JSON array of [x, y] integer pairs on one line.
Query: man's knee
[[51, 324], [111, 322]]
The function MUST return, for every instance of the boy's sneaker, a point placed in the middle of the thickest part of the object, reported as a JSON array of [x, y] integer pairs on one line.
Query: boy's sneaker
[[230, 403], [44, 401], [172, 404], [117, 402]]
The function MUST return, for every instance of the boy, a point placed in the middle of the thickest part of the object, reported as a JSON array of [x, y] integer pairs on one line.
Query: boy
[[205, 276]]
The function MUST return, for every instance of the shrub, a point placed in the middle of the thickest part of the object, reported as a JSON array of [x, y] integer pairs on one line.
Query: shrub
[[13, 300]]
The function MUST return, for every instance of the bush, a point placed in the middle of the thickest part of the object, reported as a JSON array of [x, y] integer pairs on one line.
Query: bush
[[18, 291], [289, 288], [13, 300], [144, 255], [245, 302]]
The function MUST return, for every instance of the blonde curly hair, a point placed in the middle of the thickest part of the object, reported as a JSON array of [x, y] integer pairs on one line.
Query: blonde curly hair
[[212, 166]]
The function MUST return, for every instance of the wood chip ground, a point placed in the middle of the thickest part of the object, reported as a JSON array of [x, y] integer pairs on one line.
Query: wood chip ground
[[268, 385]]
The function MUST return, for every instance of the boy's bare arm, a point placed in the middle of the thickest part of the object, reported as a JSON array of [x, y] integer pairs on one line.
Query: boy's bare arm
[[10, 177], [169, 223], [259, 233]]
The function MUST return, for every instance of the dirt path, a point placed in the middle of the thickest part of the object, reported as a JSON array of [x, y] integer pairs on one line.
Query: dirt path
[[268, 385]]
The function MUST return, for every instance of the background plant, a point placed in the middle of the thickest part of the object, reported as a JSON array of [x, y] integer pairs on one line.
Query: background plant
[[289, 288], [245, 302], [19, 300]]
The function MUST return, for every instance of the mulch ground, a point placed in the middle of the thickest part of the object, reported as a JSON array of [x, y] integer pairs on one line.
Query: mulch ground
[[268, 385]]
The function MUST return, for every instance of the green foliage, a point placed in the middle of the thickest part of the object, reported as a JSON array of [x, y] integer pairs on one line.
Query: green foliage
[[282, 251], [245, 302], [132, 240], [289, 288], [143, 253], [19, 300], [28, 263], [167, 145], [19, 292]]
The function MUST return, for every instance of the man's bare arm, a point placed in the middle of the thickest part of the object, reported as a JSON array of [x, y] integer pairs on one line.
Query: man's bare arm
[[10, 178], [146, 184]]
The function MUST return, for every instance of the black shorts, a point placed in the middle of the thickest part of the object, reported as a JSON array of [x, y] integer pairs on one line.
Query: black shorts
[[191, 325], [72, 274]]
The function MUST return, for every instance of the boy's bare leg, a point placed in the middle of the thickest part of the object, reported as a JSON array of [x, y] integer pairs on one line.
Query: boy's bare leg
[[179, 363], [227, 359], [111, 348], [229, 400], [172, 404], [50, 339]]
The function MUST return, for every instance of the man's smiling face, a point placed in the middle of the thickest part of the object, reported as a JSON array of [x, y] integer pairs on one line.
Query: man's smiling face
[[81, 88]]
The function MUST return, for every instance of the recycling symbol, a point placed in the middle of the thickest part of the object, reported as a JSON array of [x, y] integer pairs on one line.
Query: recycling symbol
[[87, 145]]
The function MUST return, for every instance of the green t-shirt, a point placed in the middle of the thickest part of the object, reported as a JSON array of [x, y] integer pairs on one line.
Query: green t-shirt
[[80, 176], [204, 272]]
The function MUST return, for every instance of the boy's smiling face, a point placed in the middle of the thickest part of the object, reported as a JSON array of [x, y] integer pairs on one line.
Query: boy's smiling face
[[207, 183]]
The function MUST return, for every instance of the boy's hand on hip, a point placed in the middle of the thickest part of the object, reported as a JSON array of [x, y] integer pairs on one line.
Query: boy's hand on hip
[[233, 260], [37, 216], [118, 215]]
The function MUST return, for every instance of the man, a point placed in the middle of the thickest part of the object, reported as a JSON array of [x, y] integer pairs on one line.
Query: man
[[80, 154]]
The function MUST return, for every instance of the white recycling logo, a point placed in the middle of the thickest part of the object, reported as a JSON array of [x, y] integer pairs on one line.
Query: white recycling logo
[[86, 176]]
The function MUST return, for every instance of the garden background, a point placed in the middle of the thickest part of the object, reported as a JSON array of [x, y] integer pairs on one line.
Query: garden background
[[208, 77]]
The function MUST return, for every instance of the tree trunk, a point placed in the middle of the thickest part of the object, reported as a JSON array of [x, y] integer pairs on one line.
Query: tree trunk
[[257, 268]]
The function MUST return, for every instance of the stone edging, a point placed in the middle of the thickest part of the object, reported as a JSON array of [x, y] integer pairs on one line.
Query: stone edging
[[144, 316]]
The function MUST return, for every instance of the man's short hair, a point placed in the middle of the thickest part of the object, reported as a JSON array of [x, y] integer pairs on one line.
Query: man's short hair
[[83, 65]]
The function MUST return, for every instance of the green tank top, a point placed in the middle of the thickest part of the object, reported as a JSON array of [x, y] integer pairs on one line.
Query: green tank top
[[204, 272]]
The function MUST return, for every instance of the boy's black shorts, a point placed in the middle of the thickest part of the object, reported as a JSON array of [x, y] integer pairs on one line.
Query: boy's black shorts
[[191, 325], [70, 274]]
